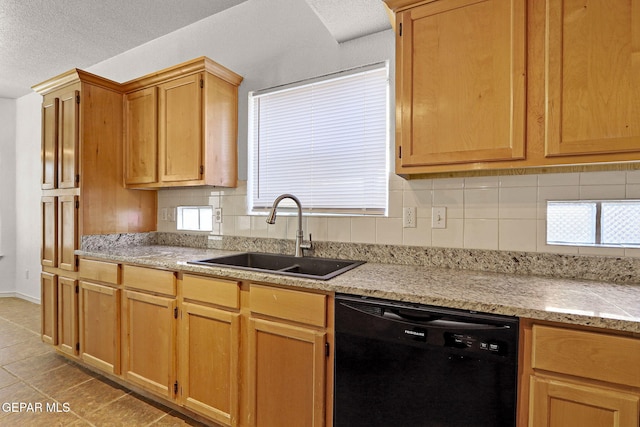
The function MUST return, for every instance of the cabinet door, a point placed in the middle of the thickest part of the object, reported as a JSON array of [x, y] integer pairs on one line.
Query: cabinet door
[[68, 315], [68, 126], [180, 129], [593, 76], [49, 308], [49, 254], [286, 374], [100, 326], [141, 137], [149, 346], [67, 232], [555, 403], [49, 142], [209, 369], [461, 82]]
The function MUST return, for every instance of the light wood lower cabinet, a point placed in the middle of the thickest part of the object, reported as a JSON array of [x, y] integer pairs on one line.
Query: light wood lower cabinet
[[68, 316], [561, 403], [287, 357], [100, 332], [209, 373], [286, 374], [235, 353], [579, 378], [149, 318], [49, 307], [149, 344]]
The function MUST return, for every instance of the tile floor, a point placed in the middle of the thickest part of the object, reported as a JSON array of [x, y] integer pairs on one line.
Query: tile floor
[[53, 391]]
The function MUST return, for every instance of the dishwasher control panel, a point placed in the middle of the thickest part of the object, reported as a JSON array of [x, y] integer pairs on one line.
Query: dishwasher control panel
[[475, 343]]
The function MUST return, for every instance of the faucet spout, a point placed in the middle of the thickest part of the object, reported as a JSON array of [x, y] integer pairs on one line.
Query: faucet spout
[[271, 219]]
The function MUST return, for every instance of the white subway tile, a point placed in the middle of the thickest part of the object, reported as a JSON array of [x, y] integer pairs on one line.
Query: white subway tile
[[481, 233], [395, 204], [448, 183], [363, 230], [450, 237], [317, 227], [554, 179], [603, 178], [588, 192], [518, 235], [481, 203], [519, 181], [519, 202], [243, 226], [339, 229], [594, 250], [389, 231], [419, 236], [481, 182], [453, 200]]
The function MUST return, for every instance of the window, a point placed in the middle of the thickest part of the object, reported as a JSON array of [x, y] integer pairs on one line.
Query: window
[[325, 141], [195, 218], [594, 223]]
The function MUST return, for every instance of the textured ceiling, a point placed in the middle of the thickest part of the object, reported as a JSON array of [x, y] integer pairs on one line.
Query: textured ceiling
[[42, 38]]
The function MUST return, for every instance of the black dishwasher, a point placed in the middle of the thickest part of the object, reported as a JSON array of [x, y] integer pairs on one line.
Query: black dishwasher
[[411, 365]]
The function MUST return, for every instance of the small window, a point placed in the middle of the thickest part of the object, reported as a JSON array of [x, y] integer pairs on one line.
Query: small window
[[325, 141], [195, 218], [594, 223]]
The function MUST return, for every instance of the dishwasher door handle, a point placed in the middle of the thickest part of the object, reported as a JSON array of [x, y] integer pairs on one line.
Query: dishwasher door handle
[[436, 321]]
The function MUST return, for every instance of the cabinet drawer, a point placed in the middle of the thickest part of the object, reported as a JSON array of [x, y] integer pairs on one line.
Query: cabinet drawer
[[100, 271], [303, 307], [149, 279], [214, 291], [587, 354]]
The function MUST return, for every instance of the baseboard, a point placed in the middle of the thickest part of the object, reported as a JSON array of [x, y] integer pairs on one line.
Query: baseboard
[[19, 295]]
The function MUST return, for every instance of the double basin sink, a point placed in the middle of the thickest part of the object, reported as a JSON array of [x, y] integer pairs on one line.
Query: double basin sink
[[287, 265]]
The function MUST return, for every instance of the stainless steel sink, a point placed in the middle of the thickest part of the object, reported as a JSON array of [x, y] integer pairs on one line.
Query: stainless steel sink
[[288, 265]]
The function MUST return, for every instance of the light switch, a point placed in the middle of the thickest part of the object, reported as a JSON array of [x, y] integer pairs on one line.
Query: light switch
[[439, 217]]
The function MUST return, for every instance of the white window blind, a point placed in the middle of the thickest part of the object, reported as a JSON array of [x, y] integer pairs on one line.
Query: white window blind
[[324, 141]]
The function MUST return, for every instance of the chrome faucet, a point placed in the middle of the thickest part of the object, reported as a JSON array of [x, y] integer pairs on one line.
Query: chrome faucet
[[271, 219]]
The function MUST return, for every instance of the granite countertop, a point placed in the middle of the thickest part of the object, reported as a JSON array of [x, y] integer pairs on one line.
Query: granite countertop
[[582, 302]]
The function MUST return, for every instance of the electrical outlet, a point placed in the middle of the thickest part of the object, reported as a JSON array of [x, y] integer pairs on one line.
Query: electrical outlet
[[439, 217], [218, 215], [172, 214], [409, 217], [163, 214]]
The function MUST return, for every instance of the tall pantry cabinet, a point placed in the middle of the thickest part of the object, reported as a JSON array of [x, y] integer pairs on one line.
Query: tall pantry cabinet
[[82, 190]]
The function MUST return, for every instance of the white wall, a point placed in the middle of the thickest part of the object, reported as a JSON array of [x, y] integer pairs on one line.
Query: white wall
[[7, 195], [28, 221]]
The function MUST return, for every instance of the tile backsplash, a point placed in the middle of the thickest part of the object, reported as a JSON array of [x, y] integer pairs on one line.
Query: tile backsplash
[[495, 212]]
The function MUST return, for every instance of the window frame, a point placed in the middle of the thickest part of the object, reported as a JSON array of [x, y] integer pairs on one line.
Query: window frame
[[289, 208]]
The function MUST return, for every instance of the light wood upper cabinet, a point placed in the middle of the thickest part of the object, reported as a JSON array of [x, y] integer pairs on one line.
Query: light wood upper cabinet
[[49, 154], [491, 85], [460, 82], [141, 143], [593, 77], [49, 251], [67, 232], [181, 127], [180, 131], [68, 124], [60, 135]]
